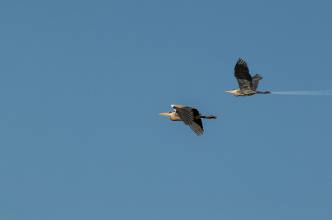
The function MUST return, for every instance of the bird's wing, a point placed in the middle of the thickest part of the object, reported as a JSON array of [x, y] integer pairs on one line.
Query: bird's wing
[[190, 116], [185, 113], [197, 126], [241, 73]]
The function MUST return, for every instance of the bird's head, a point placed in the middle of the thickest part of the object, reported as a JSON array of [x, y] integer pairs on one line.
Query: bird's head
[[167, 114], [233, 92]]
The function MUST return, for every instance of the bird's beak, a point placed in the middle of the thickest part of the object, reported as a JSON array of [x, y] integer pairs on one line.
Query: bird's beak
[[164, 114], [228, 91]]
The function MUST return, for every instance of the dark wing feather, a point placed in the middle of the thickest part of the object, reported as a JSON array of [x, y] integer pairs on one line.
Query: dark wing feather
[[241, 73], [186, 114], [190, 116], [197, 125], [196, 128]]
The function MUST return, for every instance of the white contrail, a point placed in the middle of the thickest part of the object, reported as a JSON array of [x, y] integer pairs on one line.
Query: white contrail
[[305, 92]]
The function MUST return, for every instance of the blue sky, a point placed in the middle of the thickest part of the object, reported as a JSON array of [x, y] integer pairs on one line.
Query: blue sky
[[82, 83]]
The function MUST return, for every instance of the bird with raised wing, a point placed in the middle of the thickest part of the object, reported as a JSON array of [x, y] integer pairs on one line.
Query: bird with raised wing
[[190, 116], [247, 84]]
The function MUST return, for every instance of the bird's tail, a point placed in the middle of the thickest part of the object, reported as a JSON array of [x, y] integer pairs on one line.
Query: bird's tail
[[255, 81], [209, 117]]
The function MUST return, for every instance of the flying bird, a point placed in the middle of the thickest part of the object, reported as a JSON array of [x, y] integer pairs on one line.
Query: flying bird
[[190, 116], [248, 85]]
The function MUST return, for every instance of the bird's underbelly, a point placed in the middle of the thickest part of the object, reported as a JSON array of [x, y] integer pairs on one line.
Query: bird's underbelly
[[175, 118], [246, 93]]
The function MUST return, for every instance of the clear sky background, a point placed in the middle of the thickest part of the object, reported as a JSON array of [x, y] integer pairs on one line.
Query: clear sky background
[[82, 83]]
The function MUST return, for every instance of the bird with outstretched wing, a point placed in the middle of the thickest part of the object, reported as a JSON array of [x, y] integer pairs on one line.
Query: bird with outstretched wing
[[190, 116], [241, 73]]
